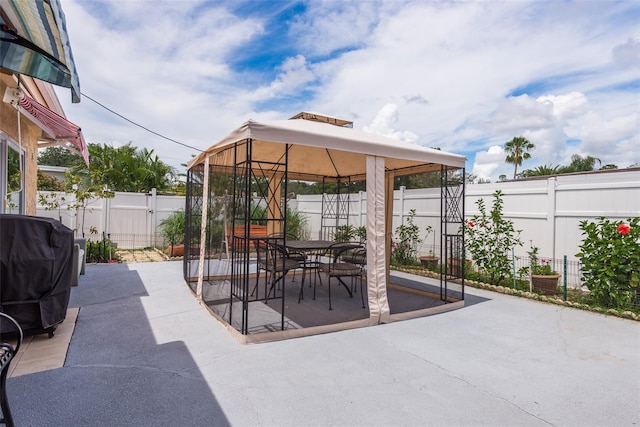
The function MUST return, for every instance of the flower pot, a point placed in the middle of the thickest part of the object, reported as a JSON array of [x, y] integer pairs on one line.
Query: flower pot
[[175, 250], [547, 285], [429, 262]]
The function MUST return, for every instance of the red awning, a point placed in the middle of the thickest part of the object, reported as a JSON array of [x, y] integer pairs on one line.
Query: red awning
[[62, 131]]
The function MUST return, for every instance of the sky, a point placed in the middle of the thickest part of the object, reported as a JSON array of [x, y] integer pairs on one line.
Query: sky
[[465, 76]]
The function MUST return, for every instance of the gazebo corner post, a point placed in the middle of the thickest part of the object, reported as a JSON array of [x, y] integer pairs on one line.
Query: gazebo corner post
[[385, 214], [377, 240], [462, 215], [443, 231], [452, 214], [203, 227]]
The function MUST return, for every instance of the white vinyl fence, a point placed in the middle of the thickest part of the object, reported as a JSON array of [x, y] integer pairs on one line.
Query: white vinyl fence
[[132, 220], [547, 210]]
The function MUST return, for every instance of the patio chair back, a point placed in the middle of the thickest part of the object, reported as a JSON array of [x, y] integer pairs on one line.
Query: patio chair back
[[274, 261], [339, 268], [7, 354]]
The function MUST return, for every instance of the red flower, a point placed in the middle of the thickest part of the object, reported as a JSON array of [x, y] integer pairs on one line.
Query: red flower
[[471, 224], [624, 229]]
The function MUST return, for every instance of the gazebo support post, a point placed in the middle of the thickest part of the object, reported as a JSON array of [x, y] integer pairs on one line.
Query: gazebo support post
[[274, 210], [377, 240], [203, 227]]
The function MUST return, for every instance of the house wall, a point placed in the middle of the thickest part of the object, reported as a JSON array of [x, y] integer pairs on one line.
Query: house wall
[[28, 139]]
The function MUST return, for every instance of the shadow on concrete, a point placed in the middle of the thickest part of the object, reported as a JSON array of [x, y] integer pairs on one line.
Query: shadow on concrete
[[115, 372], [431, 285]]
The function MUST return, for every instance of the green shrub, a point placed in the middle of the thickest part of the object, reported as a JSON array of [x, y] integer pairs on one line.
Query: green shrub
[[172, 228], [404, 247], [610, 257], [101, 251], [343, 233], [490, 240], [297, 225]]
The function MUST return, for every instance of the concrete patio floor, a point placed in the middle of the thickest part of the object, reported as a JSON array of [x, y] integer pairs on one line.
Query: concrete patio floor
[[144, 352]]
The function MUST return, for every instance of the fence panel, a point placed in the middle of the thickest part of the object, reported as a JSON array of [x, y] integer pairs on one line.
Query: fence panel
[[547, 210], [132, 220]]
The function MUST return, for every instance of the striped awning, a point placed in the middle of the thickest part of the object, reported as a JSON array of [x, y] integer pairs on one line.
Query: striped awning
[[34, 42], [59, 131]]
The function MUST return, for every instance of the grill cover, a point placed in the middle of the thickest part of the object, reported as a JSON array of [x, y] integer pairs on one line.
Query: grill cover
[[35, 271]]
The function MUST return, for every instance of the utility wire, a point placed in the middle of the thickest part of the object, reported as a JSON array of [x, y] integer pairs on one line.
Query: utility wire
[[139, 125]]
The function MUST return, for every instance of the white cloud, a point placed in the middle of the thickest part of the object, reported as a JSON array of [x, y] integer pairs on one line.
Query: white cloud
[[487, 162], [449, 67], [516, 115], [565, 106], [385, 123], [330, 26], [612, 141], [294, 74], [628, 53]]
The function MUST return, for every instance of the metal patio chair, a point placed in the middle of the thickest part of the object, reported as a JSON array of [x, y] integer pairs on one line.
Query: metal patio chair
[[299, 257], [339, 269], [7, 354], [273, 260]]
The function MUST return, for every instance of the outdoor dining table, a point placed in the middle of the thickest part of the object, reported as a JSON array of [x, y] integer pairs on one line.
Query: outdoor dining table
[[319, 247]]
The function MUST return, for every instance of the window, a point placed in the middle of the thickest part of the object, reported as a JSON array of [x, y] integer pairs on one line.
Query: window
[[12, 176]]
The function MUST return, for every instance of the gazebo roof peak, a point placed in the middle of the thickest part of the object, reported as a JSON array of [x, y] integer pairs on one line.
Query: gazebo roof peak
[[323, 118]]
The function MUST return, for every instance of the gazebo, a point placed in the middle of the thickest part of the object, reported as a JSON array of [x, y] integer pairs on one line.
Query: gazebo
[[243, 180]]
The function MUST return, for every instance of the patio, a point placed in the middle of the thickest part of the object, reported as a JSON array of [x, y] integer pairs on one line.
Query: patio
[[144, 352]]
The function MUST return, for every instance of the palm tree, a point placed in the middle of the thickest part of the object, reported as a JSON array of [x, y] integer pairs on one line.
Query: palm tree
[[542, 170], [518, 150], [126, 168], [582, 164]]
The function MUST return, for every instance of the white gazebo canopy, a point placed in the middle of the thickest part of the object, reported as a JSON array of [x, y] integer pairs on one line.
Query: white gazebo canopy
[[323, 148], [326, 150]]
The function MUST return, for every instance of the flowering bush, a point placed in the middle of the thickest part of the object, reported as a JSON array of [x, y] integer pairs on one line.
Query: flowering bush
[[610, 257], [404, 246], [490, 240]]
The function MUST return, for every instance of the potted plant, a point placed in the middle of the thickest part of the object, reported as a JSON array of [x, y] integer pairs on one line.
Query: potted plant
[[343, 233], [430, 262], [543, 278], [172, 229]]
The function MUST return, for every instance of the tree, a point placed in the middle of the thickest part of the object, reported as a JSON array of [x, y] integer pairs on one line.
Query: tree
[[518, 150], [582, 164], [609, 166], [59, 156], [418, 180], [542, 170], [83, 196], [48, 183], [126, 168]]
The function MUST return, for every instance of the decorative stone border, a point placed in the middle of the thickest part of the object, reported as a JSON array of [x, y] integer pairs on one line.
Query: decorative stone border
[[530, 295]]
